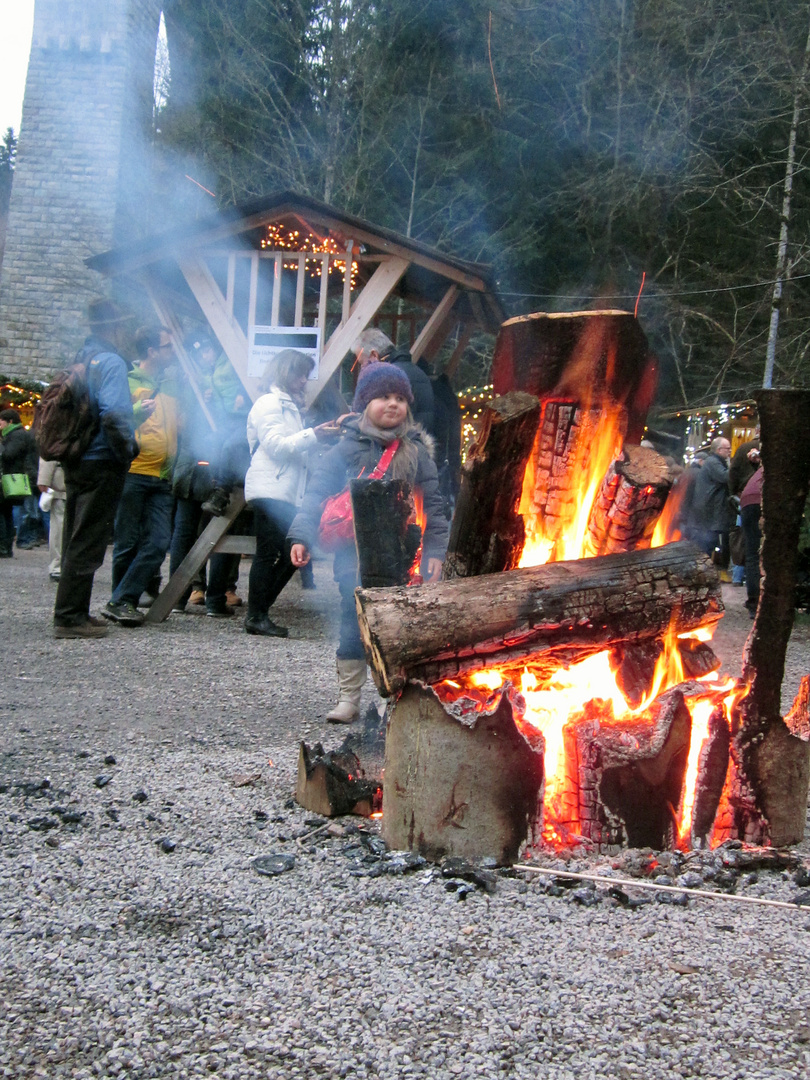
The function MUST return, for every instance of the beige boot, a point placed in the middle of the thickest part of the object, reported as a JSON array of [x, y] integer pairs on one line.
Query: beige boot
[[351, 679]]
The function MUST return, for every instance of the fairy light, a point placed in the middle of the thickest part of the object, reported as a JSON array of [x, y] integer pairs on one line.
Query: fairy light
[[279, 238]]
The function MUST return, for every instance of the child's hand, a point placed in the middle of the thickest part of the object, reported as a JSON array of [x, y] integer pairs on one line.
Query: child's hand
[[299, 556], [434, 569]]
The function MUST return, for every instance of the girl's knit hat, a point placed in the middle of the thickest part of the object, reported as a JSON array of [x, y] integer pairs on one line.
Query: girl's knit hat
[[378, 379]]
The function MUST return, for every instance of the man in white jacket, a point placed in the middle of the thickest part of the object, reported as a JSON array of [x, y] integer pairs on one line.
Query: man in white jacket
[[274, 485]]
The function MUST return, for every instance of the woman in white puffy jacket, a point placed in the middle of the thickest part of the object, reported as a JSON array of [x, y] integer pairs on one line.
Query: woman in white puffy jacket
[[274, 485]]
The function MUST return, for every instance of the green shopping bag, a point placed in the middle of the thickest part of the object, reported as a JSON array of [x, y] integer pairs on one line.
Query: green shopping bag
[[16, 485]]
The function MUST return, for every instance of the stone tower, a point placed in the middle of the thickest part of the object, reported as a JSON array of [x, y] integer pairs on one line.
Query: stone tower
[[82, 172]]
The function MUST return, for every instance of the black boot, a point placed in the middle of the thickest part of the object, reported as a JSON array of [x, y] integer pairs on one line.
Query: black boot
[[261, 624]]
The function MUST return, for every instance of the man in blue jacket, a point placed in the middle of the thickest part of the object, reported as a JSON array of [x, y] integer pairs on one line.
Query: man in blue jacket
[[95, 484]]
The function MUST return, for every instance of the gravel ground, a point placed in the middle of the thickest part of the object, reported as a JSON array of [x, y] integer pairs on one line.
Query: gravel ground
[[139, 941]]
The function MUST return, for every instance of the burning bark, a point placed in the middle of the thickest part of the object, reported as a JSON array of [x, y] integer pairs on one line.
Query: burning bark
[[387, 540], [629, 502], [333, 783], [487, 534], [548, 612]]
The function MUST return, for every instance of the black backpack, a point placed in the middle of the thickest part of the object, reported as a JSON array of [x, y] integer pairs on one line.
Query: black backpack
[[65, 418]]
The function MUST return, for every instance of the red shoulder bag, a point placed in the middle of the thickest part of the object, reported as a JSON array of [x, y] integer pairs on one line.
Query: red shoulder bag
[[337, 519]]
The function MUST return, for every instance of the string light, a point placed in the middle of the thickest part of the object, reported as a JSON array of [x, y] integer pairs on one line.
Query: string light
[[279, 238]]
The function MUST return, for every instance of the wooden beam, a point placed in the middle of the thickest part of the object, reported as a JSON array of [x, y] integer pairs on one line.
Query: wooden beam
[[173, 325], [347, 285], [323, 299], [299, 290], [207, 542], [275, 307], [212, 303], [253, 292], [231, 284], [383, 280], [434, 323]]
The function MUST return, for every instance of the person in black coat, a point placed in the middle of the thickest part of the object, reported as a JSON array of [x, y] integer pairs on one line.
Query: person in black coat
[[711, 516], [373, 346], [383, 399], [18, 454]]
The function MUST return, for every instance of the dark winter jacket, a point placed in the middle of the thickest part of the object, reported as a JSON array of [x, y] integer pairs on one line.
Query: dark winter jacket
[[741, 469], [110, 396], [358, 452], [18, 453], [710, 506], [421, 386]]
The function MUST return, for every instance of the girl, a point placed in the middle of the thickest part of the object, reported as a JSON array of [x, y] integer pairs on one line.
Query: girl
[[274, 484], [383, 399]]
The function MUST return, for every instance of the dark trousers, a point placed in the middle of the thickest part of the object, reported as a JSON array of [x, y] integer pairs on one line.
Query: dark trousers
[[6, 527], [93, 493], [143, 532], [750, 516], [184, 536], [271, 569]]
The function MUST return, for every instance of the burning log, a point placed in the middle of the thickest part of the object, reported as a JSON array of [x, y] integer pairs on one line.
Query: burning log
[[624, 778], [713, 762], [629, 502], [595, 354], [387, 543], [451, 788], [487, 533], [548, 612], [567, 438]]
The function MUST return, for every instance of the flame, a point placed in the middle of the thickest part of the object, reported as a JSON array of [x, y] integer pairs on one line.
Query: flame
[[552, 538]]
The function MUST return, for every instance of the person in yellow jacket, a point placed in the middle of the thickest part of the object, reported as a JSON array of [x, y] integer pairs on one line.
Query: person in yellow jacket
[[143, 523]]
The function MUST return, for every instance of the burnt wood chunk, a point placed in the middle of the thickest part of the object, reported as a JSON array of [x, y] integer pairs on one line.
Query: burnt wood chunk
[[698, 658], [629, 502], [387, 541], [452, 788], [634, 668], [445, 628], [487, 534], [333, 783]]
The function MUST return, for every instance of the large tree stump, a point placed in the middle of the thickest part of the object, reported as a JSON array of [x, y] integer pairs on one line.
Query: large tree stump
[[629, 502], [487, 533], [457, 789], [559, 610], [776, 764]]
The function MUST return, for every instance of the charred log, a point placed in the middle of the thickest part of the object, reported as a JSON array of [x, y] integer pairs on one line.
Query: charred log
[[487, 533], [565, 609], [387, 541], [588, 355], [629, 502], [333, 783], [712, 770]]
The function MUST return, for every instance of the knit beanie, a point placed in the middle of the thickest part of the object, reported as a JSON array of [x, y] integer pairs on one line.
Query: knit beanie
[[378, 379]]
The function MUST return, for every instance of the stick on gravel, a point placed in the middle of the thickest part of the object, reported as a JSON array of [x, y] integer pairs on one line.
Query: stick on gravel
[[633, 883]]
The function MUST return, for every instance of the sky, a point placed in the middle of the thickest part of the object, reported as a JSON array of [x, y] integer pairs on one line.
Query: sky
[[16, 25]]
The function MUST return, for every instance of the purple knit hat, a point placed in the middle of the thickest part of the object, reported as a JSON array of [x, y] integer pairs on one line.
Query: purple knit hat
[[378, 379]]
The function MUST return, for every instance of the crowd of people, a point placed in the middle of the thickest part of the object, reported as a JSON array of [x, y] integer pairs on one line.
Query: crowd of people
[[167, 452]]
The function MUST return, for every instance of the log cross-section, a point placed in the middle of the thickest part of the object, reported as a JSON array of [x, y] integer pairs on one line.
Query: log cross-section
[[566, 608], [629, 502]]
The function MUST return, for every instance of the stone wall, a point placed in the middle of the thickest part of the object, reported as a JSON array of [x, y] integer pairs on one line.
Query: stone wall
[[82, 172]]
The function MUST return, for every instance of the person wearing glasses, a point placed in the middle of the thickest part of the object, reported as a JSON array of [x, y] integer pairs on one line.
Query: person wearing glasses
[[143, 523]]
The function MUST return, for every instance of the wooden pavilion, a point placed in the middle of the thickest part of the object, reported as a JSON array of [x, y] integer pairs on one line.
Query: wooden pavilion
[[287, 270]]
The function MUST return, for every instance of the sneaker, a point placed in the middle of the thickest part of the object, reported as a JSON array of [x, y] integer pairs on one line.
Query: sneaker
[[179, 609], [232, 599], [88, 629], [27, 547], [54, 577], [217, 502], [197, 597], [265, 627], [219, 613], [124, 613]]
